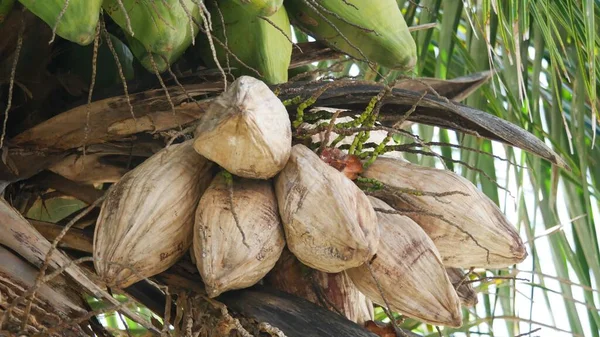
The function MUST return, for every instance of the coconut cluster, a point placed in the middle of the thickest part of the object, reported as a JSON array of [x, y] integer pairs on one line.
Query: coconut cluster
[[395, 248]]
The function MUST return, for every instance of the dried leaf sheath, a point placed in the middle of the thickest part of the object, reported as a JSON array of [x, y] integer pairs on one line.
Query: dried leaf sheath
[[55, 300], [146, 220]]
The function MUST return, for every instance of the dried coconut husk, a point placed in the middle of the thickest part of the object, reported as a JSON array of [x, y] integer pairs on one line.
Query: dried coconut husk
[[238, 235], [409, 272], [335, 292], [468, 229], [465, 290], [246, 130], [328, 221], [146, 222]]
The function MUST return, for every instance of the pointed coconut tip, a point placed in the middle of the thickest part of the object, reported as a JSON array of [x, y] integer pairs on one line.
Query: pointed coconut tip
[[213, 291], [409, 271], [455, 320], [504, 245], [120, 276], [246, 130], [468, 229], [519, 251], [114, 276], [446, 310], [465, 290]]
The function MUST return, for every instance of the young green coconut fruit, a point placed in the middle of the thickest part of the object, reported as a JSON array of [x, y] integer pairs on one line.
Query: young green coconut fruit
[[238, 236], [374, 29], [260, 7], [77, 24], [253, 40], [162, 30], [246, 130], [146, 221], [409, 271], [468, 229], [328, 221]]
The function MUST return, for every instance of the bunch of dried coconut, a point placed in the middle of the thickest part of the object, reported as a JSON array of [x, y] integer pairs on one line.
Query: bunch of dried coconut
[[402, 246]]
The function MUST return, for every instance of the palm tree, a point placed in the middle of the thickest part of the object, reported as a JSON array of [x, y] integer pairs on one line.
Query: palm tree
[[75, 121]]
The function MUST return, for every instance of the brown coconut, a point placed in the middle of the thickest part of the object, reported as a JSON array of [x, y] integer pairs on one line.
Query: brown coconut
[[468, 229], [335, 292], [226, 258], [146, 221], [410, 272], [465, 291], [328, 221], [246, 130]]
